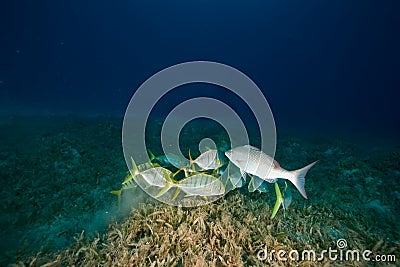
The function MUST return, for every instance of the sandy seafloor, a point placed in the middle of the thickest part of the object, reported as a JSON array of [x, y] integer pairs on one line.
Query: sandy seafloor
[[57, 171]]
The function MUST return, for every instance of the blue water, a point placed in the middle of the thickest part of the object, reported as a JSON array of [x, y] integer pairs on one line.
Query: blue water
[[328, 69], [325, 65]]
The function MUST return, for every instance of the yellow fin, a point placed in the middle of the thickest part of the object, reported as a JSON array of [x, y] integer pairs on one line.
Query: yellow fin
[[178, 190], [152, 157], [190, 159], [279, 200], [164, 190], [178, 171], [191, 164], [134, 167], [118, 193], [167, 177], [128, 177]]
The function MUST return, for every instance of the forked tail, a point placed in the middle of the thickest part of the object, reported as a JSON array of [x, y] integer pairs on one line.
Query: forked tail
[[299, 178], [118, 193]]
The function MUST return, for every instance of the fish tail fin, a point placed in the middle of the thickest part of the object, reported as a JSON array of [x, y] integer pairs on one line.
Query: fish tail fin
[[279, 200], [118, 193], [299, 178], [151, 155]]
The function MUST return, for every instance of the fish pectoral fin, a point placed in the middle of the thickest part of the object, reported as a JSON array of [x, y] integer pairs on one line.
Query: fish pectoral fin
[[254, 183], [243, 174], [287, 197], [279, 201], [251, 186]]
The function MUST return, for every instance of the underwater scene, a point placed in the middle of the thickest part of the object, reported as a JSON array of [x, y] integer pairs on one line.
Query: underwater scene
[[58, 210], [199, 133]]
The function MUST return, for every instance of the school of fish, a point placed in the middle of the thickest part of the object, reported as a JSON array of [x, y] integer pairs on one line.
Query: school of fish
[[209, 175]]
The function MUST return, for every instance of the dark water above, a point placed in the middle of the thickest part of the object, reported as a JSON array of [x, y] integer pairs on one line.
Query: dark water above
[[320, 65], [329, 71]]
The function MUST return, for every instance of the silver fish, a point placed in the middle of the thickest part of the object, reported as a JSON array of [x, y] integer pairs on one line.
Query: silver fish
[[253, 161], [208, 160], [145, 174], [231, 177], [202, 184], [157, 176]]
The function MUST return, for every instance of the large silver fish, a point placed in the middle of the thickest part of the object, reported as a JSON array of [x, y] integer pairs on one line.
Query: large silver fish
[[253, 161]]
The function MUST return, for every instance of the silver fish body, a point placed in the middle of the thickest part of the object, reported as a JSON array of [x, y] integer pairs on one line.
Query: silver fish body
[[208, 160], [253, 161], [202, 184], [157, 176]]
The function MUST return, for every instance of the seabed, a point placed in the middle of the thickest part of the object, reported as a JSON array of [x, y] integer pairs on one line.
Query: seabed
[[57, 210]]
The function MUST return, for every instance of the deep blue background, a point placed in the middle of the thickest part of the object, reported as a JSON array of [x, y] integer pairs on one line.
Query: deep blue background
[[323, 65]]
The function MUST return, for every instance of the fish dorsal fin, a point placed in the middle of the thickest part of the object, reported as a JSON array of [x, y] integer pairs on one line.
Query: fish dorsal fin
[[128, 177], [151, 155], [254, 183], [217, 160], [191, 161], [134, 166]]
